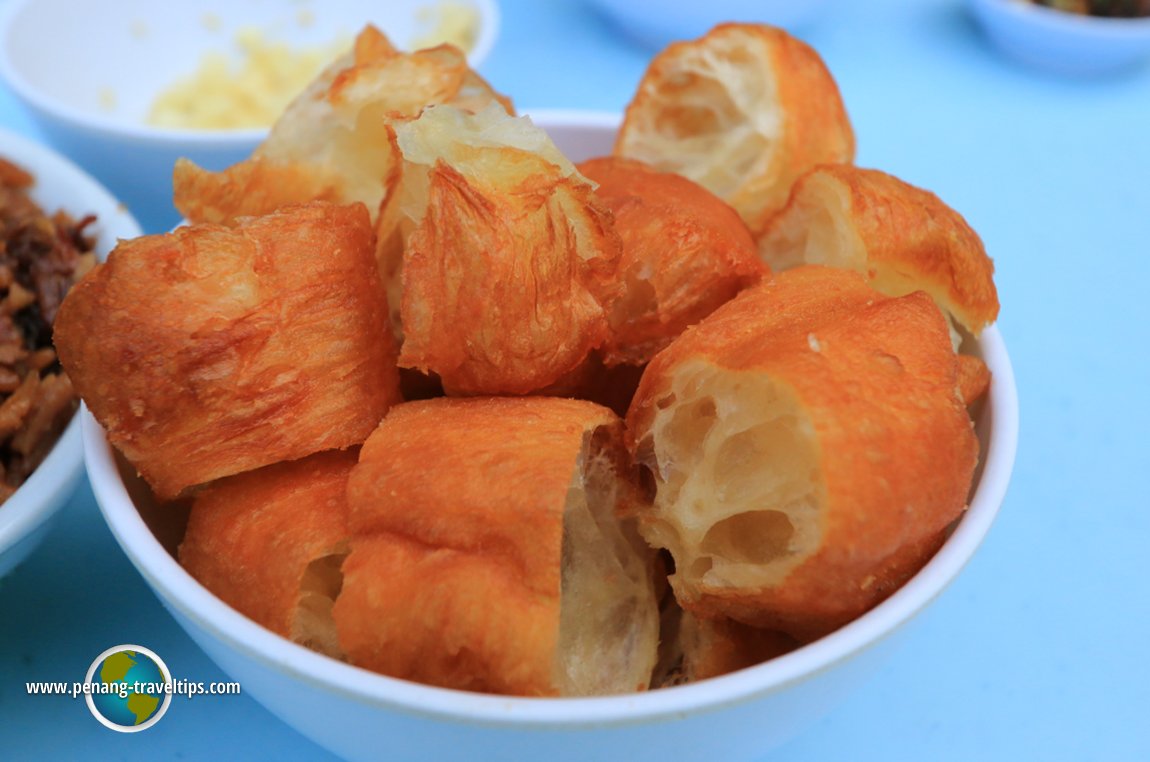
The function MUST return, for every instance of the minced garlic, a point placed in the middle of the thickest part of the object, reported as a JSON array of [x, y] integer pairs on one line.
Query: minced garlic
[[249, 93], [453, 22]]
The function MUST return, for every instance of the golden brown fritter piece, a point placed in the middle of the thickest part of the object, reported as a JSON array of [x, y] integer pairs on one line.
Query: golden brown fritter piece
[[973, 379], [743, 111], [901, 237], [332, 142], [211, 350], [685, 252], [809, 448], [269, 543], [511, 259], [493, 549], [714, 647]]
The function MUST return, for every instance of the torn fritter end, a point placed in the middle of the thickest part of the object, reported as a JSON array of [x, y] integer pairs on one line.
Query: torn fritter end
[[542, 589]]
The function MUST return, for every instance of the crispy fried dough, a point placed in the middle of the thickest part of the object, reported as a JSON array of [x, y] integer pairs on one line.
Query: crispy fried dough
[[973, 379], [714, 647], [743, 111], [901, 237], [493, 549], [511, 260], [447, 135], [809, 448], [225, 349], [333, 142], [269, 543], [685, 252]]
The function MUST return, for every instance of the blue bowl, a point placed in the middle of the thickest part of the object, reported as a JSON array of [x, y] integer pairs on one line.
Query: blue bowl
[[1063, 42]]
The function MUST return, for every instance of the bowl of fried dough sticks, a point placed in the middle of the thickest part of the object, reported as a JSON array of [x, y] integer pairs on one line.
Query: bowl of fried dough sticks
[[563, 436]]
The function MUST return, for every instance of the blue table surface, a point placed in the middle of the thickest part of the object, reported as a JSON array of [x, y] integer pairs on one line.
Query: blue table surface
[[1041, 650]]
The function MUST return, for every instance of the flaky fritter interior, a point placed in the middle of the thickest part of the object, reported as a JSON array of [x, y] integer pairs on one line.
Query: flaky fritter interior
[[608, 620], [743, 111]]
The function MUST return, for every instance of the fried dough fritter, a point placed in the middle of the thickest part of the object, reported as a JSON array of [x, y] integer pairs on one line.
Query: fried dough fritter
[[511, 259], [743, 111], [902, 238], [224, 349], [493, 549], [809, 448], [684, 253], [269, 543]]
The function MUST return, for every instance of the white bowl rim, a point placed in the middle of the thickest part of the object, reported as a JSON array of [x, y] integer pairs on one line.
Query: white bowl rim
[[32, 504], [194, 138], [184, 595], [26, 509], [1053, 19], [37, 159]]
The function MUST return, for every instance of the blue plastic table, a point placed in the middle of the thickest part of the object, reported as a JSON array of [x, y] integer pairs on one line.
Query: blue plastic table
[[1041, 650]]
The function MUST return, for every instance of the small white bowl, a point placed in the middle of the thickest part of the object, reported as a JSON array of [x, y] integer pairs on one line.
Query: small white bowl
[[89, 72], [657, 23], [361, 715], [1063, 42], [26, 516]]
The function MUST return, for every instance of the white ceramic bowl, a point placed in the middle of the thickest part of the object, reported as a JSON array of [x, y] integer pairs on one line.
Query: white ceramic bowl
[[26, 516], [361, 715], [1062, 42], [656, 23], [70, 62]]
